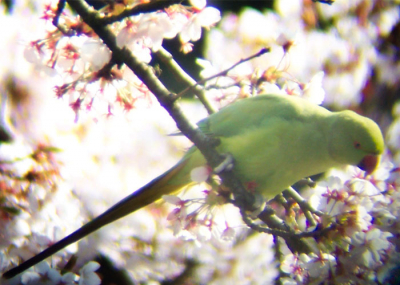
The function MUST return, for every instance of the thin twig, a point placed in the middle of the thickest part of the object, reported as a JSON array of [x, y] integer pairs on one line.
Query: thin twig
[[279, 259], [277, 227], [263, 229], [224, 72], [304, 205], [182, 76], [218, 87], [60, 9], [329, 2]]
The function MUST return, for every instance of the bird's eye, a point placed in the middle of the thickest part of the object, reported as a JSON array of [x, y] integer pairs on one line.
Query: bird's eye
[[357, 145]]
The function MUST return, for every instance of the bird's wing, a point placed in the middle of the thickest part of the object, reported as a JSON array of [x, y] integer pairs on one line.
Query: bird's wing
[[253, 112]]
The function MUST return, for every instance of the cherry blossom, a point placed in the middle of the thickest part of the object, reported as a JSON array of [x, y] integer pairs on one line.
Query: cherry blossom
[[369, 246], [88, 277], [205, 18]]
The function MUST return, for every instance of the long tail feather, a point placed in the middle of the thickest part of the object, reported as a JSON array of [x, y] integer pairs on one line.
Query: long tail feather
[[149, 193]]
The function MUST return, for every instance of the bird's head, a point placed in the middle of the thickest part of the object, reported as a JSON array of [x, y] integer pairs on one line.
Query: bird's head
[[355, 140]]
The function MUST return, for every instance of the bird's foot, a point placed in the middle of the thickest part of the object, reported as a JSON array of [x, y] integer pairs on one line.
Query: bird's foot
[[226, 164], [307, 182]]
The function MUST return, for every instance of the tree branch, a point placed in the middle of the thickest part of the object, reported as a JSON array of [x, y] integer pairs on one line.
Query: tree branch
[[243, 199]]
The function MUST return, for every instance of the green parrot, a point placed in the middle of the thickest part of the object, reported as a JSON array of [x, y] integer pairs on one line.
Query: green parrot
[[275, 141]]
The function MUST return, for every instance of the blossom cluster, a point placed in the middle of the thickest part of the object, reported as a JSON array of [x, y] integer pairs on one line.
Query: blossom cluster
[[33, 190], [362, 246], [78, 60], [348, 50]]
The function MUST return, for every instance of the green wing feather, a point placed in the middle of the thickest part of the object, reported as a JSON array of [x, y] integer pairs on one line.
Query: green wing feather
[[256, 112]]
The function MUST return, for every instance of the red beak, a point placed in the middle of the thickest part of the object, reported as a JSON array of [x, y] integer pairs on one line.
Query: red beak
[[369, 163]]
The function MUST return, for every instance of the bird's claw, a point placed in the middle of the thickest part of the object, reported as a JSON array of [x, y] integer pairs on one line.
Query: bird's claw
[[226, 164], [307, 182]]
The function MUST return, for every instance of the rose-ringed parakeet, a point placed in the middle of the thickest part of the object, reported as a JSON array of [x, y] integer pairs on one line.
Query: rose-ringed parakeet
[[275, 141]]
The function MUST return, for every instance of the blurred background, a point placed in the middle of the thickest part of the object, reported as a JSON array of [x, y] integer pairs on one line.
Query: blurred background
[[72, 165]]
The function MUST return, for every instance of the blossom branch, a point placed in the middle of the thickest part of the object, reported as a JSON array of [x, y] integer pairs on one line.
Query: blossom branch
[[206, 145], [243, 199], [278, 228], [224, 72]]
